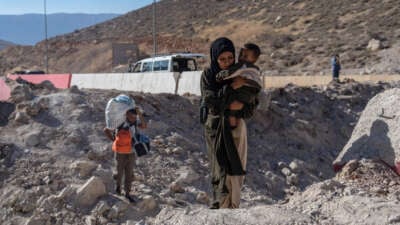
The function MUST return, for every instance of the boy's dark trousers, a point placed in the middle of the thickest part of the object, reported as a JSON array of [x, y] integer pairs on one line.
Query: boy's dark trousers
[[125, 164]]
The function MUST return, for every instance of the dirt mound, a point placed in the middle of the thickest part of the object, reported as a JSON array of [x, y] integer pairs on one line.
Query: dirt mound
[[57, 165], [373, 177], [360, 188]]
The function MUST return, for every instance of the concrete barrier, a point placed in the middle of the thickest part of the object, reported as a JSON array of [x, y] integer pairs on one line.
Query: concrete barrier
[[58, 80], [189, 82], [4, 90], [157, 82], [97, 81]]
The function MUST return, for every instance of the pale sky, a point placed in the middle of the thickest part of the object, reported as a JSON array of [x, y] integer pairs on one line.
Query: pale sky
[[18, 7]]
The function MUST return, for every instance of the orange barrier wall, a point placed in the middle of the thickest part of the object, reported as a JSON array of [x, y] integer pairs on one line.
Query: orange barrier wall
[[4, 90], [59, 80]]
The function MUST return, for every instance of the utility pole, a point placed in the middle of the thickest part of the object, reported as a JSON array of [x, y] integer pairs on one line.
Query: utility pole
[[46, 58], [154, 30]]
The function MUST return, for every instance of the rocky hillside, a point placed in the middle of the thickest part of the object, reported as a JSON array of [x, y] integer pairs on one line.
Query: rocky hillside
[[295, 35], [56, 165], [4, 44]]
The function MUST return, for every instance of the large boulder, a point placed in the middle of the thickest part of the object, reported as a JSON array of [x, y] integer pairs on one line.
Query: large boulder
[[88, 193], [377, 133]]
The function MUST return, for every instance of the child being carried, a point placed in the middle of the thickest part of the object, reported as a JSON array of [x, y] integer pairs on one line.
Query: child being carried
[[244, 82]]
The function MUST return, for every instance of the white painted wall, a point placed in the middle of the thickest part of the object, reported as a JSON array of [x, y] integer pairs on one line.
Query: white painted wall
[[189, 82], [157, 82]]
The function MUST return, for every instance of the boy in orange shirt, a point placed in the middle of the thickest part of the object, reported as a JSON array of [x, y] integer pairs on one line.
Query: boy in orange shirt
[[122, 146]]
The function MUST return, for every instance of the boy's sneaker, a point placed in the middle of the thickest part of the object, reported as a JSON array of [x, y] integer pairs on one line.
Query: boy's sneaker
[[118, 190], [130, 198]]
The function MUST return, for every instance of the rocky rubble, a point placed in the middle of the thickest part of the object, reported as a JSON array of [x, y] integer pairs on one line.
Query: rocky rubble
[[364, 192], [56, 166]]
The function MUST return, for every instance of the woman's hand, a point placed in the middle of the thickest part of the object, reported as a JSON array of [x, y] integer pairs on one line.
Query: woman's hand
[[238, 82], [236, 105], [139, 112], [109, 133]]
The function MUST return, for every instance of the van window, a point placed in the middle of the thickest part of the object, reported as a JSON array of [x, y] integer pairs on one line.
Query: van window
[[183, 64], [191, 65], [161, 65], [136, 69], [164, 65], [175, 66], [147, 67]]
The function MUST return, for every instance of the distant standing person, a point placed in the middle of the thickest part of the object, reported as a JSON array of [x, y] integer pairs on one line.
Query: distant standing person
[[335, 67]]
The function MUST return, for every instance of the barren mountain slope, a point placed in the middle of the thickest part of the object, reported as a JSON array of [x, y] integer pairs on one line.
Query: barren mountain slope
[[294, 35]]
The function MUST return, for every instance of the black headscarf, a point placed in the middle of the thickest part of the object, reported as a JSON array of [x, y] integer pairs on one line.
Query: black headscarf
[[219, 46]]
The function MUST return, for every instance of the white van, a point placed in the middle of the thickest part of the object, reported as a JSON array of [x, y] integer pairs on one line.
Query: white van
[[178, 62]]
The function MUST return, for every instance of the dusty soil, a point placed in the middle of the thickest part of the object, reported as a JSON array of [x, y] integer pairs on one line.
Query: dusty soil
[[53, 149]]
